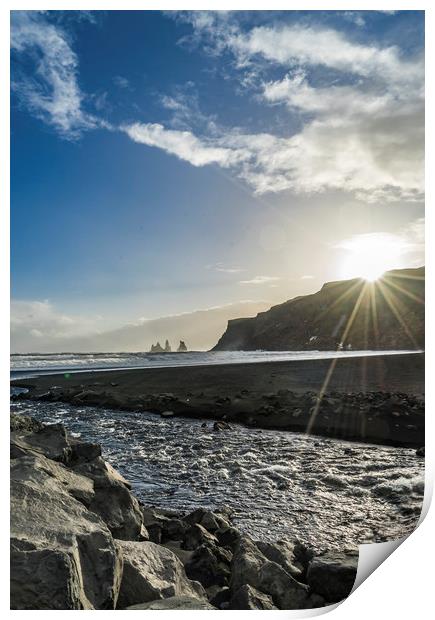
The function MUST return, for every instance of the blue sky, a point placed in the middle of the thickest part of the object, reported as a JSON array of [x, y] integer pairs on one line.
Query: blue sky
[[165, 162]]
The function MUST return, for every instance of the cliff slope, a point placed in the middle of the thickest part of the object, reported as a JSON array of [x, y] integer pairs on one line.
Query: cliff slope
[[385, 314]]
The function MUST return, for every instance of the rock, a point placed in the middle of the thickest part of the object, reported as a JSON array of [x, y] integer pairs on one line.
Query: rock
[[196, 536], [63, 556], [209, 566], [248, 597], [251, 567], [333, 574], [420, 451], [286, 592], [173, 529], [303, 555], [246, 564], [220, 425], [210, 520], [50, 441], [218, 596], [183, 554], [40, 472], [175, 602], [283, 553], [113, 501], [24, 423], [153, 572], [167, 414], [228, 537], [83, 452]]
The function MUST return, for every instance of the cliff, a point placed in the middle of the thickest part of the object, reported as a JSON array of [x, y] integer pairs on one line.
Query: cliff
[[386, 314]]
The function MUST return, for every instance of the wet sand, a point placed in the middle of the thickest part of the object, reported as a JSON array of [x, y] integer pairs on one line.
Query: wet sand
[[377, 399]]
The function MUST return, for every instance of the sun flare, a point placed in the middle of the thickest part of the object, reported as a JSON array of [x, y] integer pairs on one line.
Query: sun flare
[[370, 255]]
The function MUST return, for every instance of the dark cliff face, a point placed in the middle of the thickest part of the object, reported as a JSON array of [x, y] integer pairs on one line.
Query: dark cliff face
[[386, 314]]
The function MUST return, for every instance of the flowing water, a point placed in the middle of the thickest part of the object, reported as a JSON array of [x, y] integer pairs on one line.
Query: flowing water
[[328, 493]]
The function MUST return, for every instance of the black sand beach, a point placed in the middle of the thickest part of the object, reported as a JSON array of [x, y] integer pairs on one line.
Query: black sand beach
[[377, 399]]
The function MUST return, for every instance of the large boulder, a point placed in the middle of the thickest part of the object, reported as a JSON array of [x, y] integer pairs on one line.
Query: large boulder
[[246, 564], [175, 603], [63, 556], [251, 567], [248, 597], [153, 572], [283, 553], [50, 441], [286, 592], [41, 472], [333, 574], [209, 565], [113, 501], [196, 536], [211, 521]]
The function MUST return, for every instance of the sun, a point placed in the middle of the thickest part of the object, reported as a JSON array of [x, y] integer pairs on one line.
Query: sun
[[370, 255]]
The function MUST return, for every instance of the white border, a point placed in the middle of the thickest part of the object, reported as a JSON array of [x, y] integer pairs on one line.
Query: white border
[[403, 585]]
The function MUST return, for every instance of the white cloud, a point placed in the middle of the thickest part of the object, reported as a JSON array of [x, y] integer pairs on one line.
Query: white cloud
[[260, 280], [223, 269], [41, 320], [307, 277], [362, 133], [121, 81], [52, 93], [182, 144]]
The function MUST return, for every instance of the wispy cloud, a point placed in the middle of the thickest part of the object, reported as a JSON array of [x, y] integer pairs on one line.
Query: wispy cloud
[[52, 92], [224, 269], [307, 277], [41, 319], [183, 144], [361, 134], [362, 127], [260, 280], [121, 82]]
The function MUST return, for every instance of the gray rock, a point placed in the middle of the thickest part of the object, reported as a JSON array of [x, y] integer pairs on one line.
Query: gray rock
[[283, 553], [83, 452], [210, 520], [228, 537], [175, 546], [219, 596], [286, 592], [196, 536], [50, 441], [113, 501], [176, 603], [251, 567], [248, 597], [24, 423], [153, 572], [40, 473], [246, 564], [63, 556], [209, 566], [173, 529], [332, 575]]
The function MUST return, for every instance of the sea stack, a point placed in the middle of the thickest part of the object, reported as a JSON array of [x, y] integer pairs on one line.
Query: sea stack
[[182, 347]]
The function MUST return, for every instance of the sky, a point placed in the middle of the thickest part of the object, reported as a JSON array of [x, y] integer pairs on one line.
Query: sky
[[168, 162]]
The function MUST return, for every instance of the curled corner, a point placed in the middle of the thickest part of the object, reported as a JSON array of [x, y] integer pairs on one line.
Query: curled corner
[[372, 555]]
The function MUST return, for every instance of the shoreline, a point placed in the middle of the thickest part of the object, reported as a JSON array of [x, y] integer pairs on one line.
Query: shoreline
[[373, 399]]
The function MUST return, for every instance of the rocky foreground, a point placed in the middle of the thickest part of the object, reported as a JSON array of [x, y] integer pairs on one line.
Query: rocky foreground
[[81, 540]]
